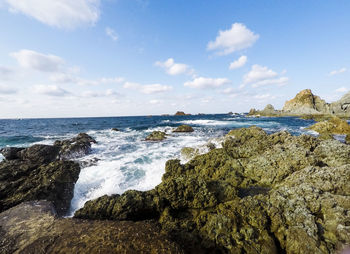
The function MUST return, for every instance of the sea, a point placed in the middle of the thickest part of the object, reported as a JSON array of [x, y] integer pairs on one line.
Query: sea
[[123, 160]]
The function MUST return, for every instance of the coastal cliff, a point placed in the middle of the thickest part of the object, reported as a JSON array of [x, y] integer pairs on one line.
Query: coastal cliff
[[306, 103]]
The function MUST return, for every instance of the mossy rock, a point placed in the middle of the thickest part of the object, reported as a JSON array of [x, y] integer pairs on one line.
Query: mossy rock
[[184, 128], [347, 139], [156, 136], [335, 125]]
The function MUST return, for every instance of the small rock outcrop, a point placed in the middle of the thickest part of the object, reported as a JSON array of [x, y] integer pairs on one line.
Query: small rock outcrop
[[181, 113], [156, 136], [115, 129], [33, 228], [42, 172], [335, 125], [260, 193], [184, 128]]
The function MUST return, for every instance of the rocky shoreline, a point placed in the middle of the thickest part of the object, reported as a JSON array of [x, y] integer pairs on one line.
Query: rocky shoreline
[[256, 193]]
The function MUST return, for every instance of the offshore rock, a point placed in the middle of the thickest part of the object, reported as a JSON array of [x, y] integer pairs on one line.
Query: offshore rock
[[33, 228], [42, 172], [181, 113], [184, 128], [260, 193], [335, 125], [156, 136]]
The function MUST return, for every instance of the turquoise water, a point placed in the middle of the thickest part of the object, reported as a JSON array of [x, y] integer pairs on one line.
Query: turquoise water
[[123, 160]]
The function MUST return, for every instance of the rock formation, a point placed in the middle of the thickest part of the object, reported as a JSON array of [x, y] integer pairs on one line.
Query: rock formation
[[42, 172], [306, 103], [335, 125], [260, 193], [181, 113], [184, 128], [156, 136]]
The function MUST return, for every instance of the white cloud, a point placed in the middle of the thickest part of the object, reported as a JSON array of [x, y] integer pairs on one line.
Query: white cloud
[[68, 78], [335, 72], [7, 90], [238, 63], [5, 73], [111, 33], [342, 90], [38, 61], [277, 81], [263, 76], [95, 94], [154, 102], [173, 68], [50, 90], [147, 89], [202, 82], [58, 13], [237, 38]]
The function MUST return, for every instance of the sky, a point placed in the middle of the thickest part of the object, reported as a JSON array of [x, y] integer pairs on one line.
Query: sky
[[84, 58]]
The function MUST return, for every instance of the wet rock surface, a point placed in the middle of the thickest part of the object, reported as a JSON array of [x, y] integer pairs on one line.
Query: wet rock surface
[[33, 227], [156, 136], [42, 172], [260, 193], [184, 128]]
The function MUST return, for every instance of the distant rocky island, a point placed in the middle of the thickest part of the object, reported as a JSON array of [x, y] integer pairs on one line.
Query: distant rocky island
[[254, 193], [306, 103]]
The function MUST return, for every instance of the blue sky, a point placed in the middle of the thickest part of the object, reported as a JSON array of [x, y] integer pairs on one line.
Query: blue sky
[[63, 58]]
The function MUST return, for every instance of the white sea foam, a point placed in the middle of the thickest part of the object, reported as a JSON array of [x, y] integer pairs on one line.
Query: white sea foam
[[206, 122], [125, 161]]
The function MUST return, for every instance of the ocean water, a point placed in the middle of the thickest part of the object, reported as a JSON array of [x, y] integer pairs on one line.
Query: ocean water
[[123, 160]]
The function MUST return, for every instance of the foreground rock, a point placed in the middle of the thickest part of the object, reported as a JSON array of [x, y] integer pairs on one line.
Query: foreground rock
[[184, 128], [305, 103], [33, 227], [334, 125], [156, 136], [258, 194], [42, 172]]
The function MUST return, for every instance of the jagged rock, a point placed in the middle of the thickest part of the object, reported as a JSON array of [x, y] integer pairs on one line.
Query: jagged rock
[[342, 106], [34, 228], [156, 136], [184, 128], [23, 181], [42, 172], [188, 152], [75, 147], [306, 103], [335, 125], [260, 193], [10, 153]]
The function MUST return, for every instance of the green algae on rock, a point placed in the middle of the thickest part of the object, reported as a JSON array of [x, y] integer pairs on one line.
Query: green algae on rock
[[156, 136], [334, 125], [260, 193], [184, 128]]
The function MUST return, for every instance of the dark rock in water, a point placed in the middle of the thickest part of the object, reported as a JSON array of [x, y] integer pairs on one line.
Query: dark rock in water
[[75, 147], [115, 129], [33, 227], [10, 153], [184, 128], [42, 172], [156, 136], [260, 193]]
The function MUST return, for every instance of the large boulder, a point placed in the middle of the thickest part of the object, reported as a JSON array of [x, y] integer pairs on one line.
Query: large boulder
[[33, 228], [342, 106], [11, 153], [260, 193], [184, 128]]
